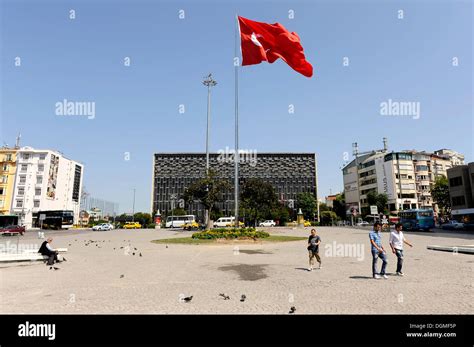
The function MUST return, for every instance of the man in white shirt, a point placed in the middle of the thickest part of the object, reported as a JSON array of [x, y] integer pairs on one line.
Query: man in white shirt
[[397, 239]]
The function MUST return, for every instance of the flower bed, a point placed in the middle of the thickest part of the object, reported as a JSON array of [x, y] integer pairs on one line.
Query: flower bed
[[226, 233]]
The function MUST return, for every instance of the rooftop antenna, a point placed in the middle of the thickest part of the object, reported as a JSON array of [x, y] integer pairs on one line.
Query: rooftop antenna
[[17, 143], [385, 144]]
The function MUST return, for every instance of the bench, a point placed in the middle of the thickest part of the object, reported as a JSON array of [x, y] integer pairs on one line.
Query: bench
[[28, 255]]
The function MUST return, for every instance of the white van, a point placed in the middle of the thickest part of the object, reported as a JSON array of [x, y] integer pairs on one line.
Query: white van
[[178, 221], [224, 222]]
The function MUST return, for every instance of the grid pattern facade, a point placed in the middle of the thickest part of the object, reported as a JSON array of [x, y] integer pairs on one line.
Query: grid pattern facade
[[289, 173]]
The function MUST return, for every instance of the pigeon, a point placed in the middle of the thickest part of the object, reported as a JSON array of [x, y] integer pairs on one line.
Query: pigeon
[[133, 253], [140, 255], [64, 259], [166, 246], [56, 268], [122, 276], [114, 248], [188, 299], [135, 249], [50, 267], [226, 297], [243, 297], [292, 309], [69, 244], [121, 247]]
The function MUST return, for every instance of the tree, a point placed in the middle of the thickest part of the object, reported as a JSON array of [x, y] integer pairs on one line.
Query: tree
[[308, 204], [208, 191], [258, 198], [281, 213], [339, 206], [379, 200], [143, 218], [328, 217], [440, 194]]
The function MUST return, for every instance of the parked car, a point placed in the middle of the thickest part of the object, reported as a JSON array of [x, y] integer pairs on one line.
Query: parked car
[[102, 227], [132, 225], [12, 230], [453, 225], [191, 225], [267, 223], [363, 224]]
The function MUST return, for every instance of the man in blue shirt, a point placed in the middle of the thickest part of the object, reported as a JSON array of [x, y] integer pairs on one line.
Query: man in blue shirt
[[377, 251]]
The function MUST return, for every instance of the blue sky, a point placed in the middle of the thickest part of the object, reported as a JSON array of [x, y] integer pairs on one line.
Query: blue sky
[[407, 59]]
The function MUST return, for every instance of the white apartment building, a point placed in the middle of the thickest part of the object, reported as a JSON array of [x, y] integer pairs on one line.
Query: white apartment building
[[45, 180], [454, 157], [405, 177]]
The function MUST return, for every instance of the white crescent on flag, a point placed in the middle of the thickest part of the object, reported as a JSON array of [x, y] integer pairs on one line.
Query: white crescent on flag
[[254, 39]]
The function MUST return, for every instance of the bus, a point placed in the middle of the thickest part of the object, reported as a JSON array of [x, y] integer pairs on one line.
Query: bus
[[178, 221], [465, 216], [55, 219], [8, 219], [417, 219]]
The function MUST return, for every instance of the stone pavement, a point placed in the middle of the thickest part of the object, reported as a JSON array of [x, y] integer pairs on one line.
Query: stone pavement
[[273, 276]]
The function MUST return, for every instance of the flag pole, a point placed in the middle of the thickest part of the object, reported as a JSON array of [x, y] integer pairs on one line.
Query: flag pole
[[236, 155]]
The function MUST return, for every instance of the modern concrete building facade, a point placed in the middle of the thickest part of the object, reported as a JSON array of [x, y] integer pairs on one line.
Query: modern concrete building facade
[[289, 173], [45, 180], [461, 179]]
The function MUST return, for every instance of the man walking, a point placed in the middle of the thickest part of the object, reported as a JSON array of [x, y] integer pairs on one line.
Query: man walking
[[397, 239], [313, 249], [377, 251]]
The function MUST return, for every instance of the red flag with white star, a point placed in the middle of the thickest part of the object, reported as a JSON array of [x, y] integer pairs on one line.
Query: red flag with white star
[[268, 42]]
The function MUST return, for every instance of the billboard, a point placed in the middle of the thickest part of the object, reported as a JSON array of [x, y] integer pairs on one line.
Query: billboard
[[385, 177], [52, 177]]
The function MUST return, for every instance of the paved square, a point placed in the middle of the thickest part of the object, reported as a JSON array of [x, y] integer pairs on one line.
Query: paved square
[[272, 276]]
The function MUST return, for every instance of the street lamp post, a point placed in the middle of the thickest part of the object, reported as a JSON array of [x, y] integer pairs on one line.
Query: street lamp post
[[208, 82], [133, 207]]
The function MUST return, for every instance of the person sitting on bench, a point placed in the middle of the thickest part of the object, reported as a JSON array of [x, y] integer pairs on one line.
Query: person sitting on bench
[[47, 250]]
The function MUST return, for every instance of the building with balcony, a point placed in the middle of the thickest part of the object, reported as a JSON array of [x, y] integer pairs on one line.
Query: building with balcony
[[45, 180], [7, 178]]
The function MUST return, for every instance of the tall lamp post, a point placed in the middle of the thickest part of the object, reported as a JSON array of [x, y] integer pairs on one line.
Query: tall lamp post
[[209, 82], [133, 206]]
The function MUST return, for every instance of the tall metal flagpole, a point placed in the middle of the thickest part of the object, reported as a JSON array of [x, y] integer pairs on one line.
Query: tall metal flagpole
[[236, 155]]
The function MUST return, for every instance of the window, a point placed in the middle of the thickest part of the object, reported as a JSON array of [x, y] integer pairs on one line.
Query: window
[[40, 167], [1, 191], [9, 157], [39, 179], [36, 203], [5, 167], [4, 179], [22, 179], [19, 203], [26, 156], [2, 203], [421, 168], [459, 200], [24, 167], [42, 156], [21, 191], [37, 191], [455, 181]]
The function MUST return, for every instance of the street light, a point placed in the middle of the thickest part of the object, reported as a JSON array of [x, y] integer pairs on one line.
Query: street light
[[208, 82], [133, 207]]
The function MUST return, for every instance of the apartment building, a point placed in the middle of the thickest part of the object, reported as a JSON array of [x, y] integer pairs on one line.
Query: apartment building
[[7, 178], [45, 180], [405, 177]]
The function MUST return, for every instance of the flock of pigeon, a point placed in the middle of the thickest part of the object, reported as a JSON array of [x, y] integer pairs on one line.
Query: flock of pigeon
[[187, 299]]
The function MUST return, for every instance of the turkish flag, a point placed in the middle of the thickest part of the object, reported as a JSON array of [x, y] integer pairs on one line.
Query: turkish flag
[[268, 42]]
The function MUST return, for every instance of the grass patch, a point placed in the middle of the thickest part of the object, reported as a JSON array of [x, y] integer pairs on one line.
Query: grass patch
[[191, 241]]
